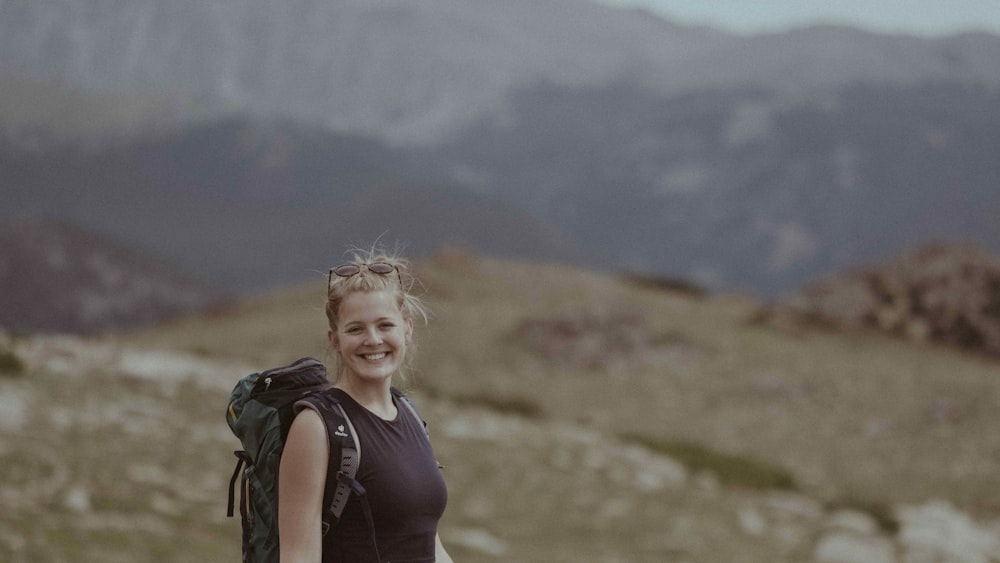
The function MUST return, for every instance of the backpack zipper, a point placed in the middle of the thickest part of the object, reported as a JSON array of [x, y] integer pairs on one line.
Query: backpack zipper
[[268, 382]]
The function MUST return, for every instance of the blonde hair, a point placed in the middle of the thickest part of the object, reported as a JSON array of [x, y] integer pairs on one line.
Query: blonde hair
[[401, 281]]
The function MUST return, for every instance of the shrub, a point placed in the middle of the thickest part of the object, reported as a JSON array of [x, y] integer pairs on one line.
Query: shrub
[[10, 364], [503, 404], [666, 284]]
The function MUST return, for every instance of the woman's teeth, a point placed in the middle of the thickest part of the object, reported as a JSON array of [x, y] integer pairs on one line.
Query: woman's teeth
[[373, 357]]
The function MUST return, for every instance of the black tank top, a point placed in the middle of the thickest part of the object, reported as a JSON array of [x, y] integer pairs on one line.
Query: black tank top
[[406, 491]]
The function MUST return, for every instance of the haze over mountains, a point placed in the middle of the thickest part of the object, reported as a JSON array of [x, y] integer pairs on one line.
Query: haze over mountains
[[272, 138]]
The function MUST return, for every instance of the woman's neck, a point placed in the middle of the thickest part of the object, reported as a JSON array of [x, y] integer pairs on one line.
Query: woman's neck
[[376, 397]]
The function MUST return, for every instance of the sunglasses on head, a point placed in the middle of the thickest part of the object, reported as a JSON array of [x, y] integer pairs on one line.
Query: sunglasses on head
[[348, 270]]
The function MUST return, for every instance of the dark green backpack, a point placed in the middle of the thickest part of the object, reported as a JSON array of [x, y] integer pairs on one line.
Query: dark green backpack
[[260, 412]]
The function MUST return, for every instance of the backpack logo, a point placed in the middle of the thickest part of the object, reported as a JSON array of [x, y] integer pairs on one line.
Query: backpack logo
[[340, 431]]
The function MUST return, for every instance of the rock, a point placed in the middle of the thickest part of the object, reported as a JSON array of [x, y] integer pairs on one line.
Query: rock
[[938, 532], [796, 506], [853, 521], [77, 499], [478, 540], [846, 547], [653, 472], [752, 522]]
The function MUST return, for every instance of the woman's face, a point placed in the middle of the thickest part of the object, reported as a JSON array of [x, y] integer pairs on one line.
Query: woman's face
[[371, 335]]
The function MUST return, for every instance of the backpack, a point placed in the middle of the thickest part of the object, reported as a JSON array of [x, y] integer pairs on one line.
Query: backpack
[[260, 412]]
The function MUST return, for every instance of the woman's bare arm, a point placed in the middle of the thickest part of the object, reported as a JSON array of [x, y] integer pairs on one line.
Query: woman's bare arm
[[301, 479]]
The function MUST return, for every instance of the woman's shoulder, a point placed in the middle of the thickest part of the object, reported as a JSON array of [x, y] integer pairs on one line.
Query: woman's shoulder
[[308, 422], [306, 441]]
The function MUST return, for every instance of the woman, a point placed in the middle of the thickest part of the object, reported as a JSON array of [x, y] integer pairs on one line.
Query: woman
[[370, 313]]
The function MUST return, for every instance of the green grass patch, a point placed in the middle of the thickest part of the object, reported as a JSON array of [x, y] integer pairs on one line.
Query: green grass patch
[[505, 404], [731, 470], [10, 364], [665, 284]]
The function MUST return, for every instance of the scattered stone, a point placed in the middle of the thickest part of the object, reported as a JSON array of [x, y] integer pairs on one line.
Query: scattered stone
[[853, 521], [164, 505], [937, 531], [479, 540], [795, 505], [752, 522], [846, 547], [77, 499]]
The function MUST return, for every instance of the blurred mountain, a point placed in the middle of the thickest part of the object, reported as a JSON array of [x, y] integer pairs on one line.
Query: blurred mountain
[[417, 71], [756, 163], [249, 206], [57, 277], [409, 70], [733, 189]]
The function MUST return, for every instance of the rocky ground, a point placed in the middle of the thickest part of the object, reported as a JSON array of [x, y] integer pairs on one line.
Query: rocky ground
[[111, 452]]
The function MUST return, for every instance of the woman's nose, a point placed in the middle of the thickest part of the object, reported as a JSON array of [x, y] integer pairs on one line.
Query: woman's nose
[[372, 337]]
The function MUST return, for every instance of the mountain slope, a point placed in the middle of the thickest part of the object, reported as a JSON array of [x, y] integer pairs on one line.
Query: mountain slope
[[737, 190], [57, 277], [249, 206]]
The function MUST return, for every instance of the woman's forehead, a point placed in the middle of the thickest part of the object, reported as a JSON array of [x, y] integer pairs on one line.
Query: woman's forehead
[[369, 305]]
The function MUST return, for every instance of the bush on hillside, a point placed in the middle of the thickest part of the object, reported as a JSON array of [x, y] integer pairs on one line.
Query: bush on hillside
[[674, 285], [939, 293], [10, 364], [507, 404]]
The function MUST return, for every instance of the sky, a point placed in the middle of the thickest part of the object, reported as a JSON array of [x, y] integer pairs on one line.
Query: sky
[[919, 17]]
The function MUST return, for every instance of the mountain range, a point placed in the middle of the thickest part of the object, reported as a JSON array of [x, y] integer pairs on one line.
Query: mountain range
[[417, 71], [251, 145]]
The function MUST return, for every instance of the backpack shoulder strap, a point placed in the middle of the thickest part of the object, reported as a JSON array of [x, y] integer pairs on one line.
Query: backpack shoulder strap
[[345, 450], [411, 407], [345, 447]]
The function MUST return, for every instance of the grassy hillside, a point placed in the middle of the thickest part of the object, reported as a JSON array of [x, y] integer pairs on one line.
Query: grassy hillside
[[693, 436]]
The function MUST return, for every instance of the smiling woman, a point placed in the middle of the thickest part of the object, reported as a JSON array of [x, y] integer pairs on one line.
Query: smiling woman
[[370, 311], [370, 340], [357, 292]]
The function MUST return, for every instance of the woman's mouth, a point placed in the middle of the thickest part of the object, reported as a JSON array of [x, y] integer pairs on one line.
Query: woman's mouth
[[374, 357]]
